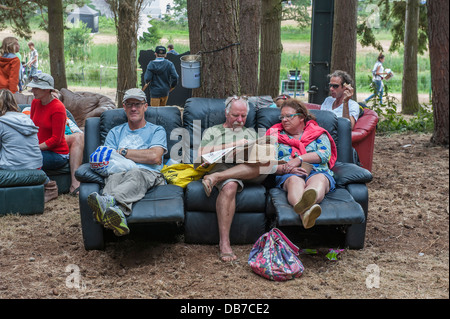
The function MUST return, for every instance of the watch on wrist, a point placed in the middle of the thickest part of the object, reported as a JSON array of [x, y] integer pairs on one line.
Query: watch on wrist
[[124, 152]]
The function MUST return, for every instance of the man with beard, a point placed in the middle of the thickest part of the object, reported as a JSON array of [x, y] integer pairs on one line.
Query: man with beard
[[339, 102], [229, 177]]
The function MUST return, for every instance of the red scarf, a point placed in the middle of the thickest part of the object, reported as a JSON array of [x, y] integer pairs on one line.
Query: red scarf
[[310, 133]]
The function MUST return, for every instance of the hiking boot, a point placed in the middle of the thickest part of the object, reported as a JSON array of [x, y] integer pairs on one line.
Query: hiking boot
[[115, 219], [99, 204]]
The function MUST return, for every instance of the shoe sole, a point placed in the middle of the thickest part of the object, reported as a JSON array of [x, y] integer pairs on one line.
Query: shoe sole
[[95, 205], [306, 202], [112, 220], [310, 216]]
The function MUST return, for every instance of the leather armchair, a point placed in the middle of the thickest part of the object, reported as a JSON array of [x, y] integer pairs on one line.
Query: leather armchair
[[363, 135], [163, 204]]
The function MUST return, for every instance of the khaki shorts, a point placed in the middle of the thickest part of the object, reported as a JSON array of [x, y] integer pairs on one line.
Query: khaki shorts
[[158, 101], [219, 167]]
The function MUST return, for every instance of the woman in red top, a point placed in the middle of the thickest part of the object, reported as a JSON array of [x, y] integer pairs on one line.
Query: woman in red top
[[49, 114]]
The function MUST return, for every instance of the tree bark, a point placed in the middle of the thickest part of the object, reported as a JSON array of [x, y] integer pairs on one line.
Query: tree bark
[[220, 53], [410, 98], [438, 39], [343, 52], [250, 22], [271, 48], [194, 10], [56, 43]]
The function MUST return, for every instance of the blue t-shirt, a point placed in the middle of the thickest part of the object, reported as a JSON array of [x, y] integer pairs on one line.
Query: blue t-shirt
[[149, 136]]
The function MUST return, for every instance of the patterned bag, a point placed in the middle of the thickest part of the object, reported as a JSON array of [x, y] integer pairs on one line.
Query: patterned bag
[[274, 257]]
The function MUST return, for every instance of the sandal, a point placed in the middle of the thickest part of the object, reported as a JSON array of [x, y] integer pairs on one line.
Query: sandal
[[75, 192], [207, 187], [227, 257], [306, 202]]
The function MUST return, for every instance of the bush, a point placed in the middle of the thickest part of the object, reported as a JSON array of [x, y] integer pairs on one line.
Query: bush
[[77, 41]]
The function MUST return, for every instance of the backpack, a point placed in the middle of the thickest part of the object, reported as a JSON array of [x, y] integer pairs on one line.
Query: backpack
[[274, 257]]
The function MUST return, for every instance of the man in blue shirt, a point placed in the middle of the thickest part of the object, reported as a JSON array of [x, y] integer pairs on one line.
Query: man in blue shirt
[[161, 76], [145, 144]]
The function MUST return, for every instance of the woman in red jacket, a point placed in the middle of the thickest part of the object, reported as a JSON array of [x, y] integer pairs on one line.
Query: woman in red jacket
[[49, 114], [9, 64]]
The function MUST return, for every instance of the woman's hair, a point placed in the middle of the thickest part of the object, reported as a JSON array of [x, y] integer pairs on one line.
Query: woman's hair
[[299, 107], [7, 102], [8, 44], [381, 56]]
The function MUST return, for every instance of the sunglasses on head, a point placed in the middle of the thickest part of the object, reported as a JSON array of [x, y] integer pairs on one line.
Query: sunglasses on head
[[282, 97], [237, 98]]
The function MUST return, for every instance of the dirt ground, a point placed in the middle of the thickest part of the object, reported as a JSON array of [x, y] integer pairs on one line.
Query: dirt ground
[[406, 254]]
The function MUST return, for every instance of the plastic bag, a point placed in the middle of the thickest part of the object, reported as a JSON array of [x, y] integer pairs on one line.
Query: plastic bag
[[106, 161], [274, 257], [182, 174]]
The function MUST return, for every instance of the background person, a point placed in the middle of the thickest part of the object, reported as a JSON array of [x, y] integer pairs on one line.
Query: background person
[[162, 76], [300, 139], [9, 64], [33, 64], [378, 76], [171, 49]]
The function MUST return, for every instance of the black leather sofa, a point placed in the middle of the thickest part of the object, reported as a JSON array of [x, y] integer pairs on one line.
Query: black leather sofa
[[258, 207]]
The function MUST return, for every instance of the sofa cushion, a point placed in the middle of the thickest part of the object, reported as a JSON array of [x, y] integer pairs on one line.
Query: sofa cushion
[[22, 177], [338, 208], [168, 117], [347, 173]]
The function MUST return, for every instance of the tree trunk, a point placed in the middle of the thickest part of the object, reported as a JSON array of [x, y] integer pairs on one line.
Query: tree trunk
[[194, 15], [56, 43], [220, 53], [343, 52], [410, 98], [250, 22], [438, 39], [127, 26], [271, 48]]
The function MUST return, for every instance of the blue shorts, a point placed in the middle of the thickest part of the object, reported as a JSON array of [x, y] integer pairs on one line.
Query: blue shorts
[[280, 179]]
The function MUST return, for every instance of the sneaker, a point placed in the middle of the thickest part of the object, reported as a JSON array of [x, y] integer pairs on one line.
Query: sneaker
[[115, 219], [310, 216], [306, 202], [100, 204]]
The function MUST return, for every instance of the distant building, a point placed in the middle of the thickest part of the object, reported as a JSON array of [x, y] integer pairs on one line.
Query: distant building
[[86, 15]]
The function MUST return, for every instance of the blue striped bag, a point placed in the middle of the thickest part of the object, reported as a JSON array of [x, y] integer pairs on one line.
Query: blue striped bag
[[106, 161], [274, 257]]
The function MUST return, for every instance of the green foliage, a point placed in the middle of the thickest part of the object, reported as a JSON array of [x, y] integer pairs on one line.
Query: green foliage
[[153, 34], [77, 41], [392, 121]]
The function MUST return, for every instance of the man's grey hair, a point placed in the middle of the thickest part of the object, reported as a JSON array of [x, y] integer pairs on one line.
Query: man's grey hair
[[345, 77], [230, 100]]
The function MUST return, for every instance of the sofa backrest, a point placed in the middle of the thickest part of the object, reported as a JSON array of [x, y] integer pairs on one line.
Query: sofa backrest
[[210, 112], [168, 117]]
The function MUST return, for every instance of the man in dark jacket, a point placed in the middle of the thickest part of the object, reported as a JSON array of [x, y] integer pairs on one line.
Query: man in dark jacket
[[161, 76]]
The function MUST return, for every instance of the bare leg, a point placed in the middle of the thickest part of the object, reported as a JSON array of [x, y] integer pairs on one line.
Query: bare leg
[[321, 184], [225, 208], [241, 171], [76, 147]]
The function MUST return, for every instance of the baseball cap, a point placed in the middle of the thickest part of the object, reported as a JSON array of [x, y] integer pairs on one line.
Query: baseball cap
[[42, 81], [160, 49], [137, 94]]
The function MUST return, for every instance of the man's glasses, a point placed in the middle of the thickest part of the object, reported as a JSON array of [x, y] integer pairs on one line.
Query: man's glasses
[[288, 117], [334, 86], [236, 98], [136, 105]]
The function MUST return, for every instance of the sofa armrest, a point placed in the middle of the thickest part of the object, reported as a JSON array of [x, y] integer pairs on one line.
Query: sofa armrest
[[22, 177], [348, 173], [365, 125], [84, 174]]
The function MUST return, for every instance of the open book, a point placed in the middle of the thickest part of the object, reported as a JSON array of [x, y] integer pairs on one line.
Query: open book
[[257, 151]]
